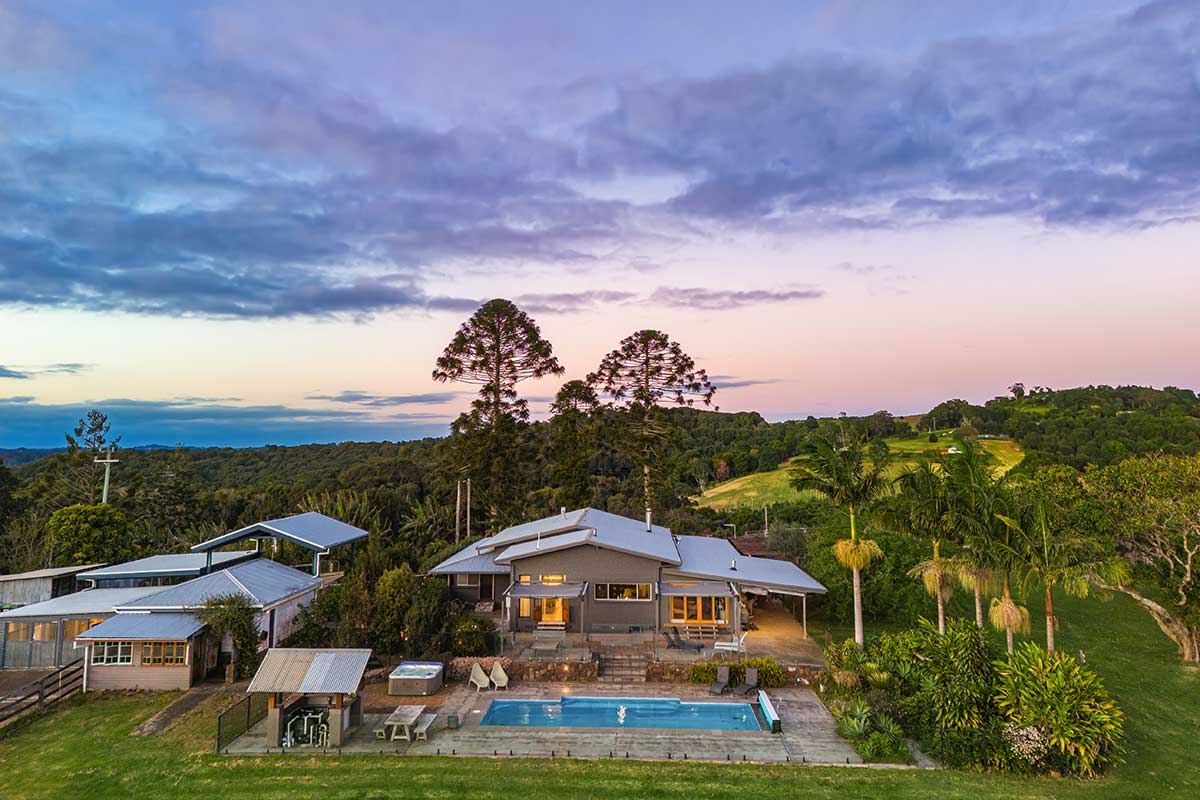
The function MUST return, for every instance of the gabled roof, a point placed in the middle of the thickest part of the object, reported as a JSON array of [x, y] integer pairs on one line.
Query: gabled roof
[[89, 602], [50, 572], [547, 526], [310, 530], [168, 627], [310, 671], [165, 566], [470, 562], [262, 581], [709, 557]]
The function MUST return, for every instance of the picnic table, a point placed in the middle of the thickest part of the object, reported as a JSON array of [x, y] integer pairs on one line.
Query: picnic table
[[399, 723]]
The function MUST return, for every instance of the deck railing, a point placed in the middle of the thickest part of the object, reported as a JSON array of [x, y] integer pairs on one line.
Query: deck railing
[[42, 693]]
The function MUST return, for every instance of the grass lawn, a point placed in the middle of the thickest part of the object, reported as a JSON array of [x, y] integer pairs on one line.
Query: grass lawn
[[759, 488], [85, 750]]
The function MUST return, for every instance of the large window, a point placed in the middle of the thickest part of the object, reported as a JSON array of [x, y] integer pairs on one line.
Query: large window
[[699, 610], [164, 654], [553, 580], [112, 653], [468, 579], [622, 591], [524, 607]]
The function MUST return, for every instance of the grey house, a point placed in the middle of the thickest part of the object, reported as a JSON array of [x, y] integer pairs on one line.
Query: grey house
[[592, 572]]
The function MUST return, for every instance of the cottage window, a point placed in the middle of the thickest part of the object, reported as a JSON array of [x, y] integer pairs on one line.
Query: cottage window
[[553, 580], [622, 591], [107, 653], [164, 654], [469, 579]]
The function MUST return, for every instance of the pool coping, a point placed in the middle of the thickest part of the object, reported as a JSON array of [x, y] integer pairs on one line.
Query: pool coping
[[758, 716]]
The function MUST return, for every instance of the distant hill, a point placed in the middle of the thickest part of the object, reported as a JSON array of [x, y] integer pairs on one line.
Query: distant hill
[[19, 456]]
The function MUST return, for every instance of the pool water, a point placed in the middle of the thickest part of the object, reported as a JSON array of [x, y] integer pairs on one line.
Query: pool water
[[622, 712]]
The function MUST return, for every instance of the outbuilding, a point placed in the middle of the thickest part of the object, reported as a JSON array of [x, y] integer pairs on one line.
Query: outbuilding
[[313, 694]]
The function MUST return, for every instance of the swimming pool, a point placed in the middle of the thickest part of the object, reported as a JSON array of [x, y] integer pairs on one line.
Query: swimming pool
[[622, 712]]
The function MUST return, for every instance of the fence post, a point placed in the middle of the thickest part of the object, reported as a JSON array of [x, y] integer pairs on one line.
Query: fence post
[[41, 694], [247, 715]]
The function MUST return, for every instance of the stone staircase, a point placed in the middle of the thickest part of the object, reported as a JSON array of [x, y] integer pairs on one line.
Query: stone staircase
[[615, 668]]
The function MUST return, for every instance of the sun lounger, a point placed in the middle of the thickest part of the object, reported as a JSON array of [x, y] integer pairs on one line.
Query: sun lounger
[[479, 678], [751, 682], [722, 682], [421, 729], [499, 676], [684, 644]]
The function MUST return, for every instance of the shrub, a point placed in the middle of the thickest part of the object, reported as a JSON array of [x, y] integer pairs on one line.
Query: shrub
[[770, 674], [471, 636], [887, 591], [1066, 703]]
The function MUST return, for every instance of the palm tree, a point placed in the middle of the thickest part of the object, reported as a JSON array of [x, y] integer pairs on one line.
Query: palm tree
[[971, 486], [1057, 557], [924, 510], [843, 472]]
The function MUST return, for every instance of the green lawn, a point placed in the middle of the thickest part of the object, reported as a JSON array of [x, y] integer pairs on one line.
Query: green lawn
[[84, 750], [761, 488]]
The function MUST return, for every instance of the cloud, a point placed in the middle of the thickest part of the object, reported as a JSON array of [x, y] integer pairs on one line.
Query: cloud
[[727, 299], [216, 180], [569, 302], [382, 401], [1098, 129], [26, 372], [733, 382], [191, 421]]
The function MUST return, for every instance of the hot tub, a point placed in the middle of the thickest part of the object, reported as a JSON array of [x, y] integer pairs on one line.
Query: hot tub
[[415, 678]]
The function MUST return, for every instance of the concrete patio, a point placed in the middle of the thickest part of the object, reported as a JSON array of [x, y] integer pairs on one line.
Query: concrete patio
[[808, 730]]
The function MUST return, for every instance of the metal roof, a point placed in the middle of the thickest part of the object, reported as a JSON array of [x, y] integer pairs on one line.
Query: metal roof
[[165, 566], [587, 526], [709, 557], [310, 529], [262, 581], [310, 671], [547, 589], [169, 627], [470, 561], [685, 588], [86, 603], [50, 572]]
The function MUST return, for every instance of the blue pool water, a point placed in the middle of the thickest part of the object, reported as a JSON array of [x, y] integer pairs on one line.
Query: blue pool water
[[621, 712]]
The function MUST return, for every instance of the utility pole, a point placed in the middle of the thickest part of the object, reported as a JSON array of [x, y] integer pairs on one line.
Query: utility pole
[[468, 508], [766, 527], [107, 461], [457, 509]]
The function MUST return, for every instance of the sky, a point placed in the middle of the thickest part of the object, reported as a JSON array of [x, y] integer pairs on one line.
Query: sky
[[251, 223]]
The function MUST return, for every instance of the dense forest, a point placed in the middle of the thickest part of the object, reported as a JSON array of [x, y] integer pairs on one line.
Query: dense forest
[[640, 434]]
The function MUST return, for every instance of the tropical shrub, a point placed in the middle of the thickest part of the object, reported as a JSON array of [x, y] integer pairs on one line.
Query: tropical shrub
[[233, 614], [770, 674], [471, 635], [888, 592], [1066, 703]]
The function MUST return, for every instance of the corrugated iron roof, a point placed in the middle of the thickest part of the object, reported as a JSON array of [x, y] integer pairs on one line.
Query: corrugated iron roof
[[157, 626], [262, 581], [547, 589], [310, 529], [88, 602], [166, 565], [470, 561], [49, 572], [709, 557], [310, 671]]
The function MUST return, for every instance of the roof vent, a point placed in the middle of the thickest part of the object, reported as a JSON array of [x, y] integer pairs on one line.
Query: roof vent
[[564, 511], [648, 525], [733, 564]]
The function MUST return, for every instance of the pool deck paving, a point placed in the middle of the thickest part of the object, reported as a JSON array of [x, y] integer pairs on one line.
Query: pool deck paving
[[808, 730]]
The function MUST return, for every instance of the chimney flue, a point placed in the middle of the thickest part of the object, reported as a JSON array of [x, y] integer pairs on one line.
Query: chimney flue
[[733, 565], [648, 528]]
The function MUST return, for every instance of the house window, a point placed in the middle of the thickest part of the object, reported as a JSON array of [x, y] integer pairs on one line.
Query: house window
[[469, 579], [112, 653], [524, 607], [553, 580], [74, 627], [19, 631], [45, 631], [622, 591], [699, 610], [164, 654]]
